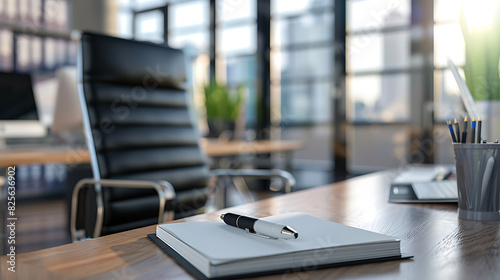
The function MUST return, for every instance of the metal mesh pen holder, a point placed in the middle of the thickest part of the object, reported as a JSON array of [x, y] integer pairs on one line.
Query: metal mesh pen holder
[[478, 182]]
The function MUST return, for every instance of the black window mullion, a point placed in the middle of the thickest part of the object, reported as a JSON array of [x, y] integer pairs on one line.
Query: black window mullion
[[339, 119], [14, 52], [134, 19], [165, 24], [305, 46], [42, 42], [309, 12], [422, 84], [304, 79], [263, 83], [212, 39]]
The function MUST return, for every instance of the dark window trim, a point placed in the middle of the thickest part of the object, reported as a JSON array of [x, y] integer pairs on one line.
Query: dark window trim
[[234, 55], [311, 11], [304, 46], [303, 80], [387, 71], [388, 29], [235, 23]]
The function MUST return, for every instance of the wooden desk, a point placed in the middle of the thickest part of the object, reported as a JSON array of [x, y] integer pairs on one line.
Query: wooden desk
[[71, 155], [44, 155], [216, 148], [444, 246]]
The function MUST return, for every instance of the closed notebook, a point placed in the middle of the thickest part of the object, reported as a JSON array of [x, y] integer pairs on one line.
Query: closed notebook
[[217, 250]]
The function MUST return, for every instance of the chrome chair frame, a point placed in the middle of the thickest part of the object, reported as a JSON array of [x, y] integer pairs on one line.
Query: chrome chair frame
[[164, 189], [165, 192], [286, 176]]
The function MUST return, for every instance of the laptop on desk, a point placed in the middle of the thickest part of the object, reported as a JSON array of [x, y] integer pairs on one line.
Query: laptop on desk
[[20, 124], [19, 116], [425, 184], [18, 110]]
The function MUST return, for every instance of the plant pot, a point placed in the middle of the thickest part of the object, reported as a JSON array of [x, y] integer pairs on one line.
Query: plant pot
[[217, 127]]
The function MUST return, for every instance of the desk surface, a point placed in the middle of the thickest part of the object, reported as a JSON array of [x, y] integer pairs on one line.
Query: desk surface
[[43, 155], [71, 155], [443, 246], [215, 148]]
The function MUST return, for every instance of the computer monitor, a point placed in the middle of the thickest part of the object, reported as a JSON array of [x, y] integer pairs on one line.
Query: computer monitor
[[67, 112], [18, 110]]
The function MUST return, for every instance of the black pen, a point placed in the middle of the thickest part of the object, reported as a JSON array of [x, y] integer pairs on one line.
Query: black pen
[[464, 133], [260, 227], [457, 130], [479, 122]]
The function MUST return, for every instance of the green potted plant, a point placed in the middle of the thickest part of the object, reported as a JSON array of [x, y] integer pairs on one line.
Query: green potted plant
[[223, 107], [480, 25]]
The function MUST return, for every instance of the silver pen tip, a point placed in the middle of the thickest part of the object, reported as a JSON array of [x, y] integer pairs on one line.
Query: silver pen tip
[[290, 232], [222, 216]]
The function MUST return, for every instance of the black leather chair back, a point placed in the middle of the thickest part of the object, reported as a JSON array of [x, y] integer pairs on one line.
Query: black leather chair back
[[141, 127]]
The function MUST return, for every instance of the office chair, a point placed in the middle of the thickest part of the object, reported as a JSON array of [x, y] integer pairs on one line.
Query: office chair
[[143, 143]]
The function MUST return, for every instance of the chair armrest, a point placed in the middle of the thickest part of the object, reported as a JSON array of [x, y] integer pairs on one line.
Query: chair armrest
[[164, 189], [286, 176]]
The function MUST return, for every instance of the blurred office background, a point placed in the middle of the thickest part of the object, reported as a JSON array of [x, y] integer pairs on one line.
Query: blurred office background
[[364, 84], [398, 91]]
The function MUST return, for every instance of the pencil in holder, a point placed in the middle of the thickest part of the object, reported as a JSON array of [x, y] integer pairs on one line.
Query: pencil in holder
[[478, 180]]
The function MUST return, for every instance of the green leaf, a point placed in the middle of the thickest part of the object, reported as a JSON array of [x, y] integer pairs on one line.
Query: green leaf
[[482, 54], [223, 104]]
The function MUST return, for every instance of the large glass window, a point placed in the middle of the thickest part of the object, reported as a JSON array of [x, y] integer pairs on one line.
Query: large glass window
[[35, 36], [50, 53], [378, 51], [56, 14], [188, 25], [390, 62], [149, 26], [448, 43], [382, 73], [188, 28], [10, 9], [302, 59], [237, 40], [236, 45], [318, 26], [125, 18], [385, 101], [377, 14], [302, 63], [374, 51], [190, 14], [6, 56], [378, 82]]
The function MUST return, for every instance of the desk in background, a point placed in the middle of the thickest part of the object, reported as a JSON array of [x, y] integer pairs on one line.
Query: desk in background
[[220, 149], [77, 160], [43, 155], [69, 155], [443, 246]]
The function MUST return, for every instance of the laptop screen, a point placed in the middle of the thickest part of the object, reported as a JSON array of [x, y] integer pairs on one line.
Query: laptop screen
[[17, 101]]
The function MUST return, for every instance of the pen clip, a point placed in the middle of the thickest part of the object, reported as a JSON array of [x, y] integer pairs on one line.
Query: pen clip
[[257, 234]]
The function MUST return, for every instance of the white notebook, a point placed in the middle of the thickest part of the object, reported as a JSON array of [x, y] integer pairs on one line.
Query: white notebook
[[216, 249]]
